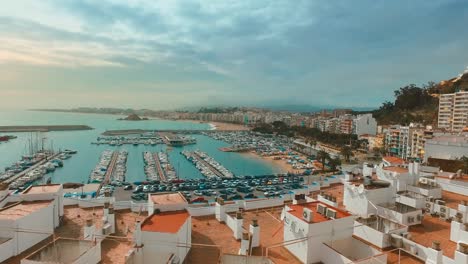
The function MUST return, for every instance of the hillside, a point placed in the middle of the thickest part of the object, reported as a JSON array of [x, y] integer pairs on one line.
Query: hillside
[[418, 103]]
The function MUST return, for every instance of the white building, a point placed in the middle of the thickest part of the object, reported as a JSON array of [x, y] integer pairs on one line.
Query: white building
[[364, 124], [162, 238], [453, 111], [38, 210], [312, 224], [447, 147]]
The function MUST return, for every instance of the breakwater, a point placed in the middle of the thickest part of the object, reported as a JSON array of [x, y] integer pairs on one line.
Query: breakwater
[[12, 129]]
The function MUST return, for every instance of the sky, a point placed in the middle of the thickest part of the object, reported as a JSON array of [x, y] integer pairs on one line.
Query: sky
[[181, 53]]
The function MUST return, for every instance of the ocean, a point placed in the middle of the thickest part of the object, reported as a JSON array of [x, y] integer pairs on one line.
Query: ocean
[[79, 166]]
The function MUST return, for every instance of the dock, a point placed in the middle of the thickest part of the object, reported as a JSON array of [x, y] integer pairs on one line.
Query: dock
[[161, 174], [110, 169], [213, 169]]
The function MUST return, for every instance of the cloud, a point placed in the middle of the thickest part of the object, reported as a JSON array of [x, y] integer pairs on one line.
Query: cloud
[[305, 51]]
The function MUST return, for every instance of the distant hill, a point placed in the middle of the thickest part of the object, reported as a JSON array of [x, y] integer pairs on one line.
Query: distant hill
[[133, 117]]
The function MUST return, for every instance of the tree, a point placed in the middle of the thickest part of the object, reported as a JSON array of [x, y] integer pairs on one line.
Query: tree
[[334, 163], [464, 159], [346, 152], [323, 156]]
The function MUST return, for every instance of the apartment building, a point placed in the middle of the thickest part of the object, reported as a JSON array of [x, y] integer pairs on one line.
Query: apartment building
[[453, 111], [407, 141]]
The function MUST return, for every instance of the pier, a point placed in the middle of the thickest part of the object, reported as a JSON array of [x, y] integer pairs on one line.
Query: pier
[[161, 174], [110, 169], [209, 166]]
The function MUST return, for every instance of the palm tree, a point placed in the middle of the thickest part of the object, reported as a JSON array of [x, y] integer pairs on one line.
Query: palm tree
[[347, 153], [334, 163], [464, 159], [323, 156]]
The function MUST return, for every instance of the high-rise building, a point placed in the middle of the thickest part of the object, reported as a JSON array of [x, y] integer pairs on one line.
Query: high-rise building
[[453, 111]]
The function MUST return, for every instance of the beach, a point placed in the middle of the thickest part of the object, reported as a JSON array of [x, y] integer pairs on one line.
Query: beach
[[228, 126], [282, 165]]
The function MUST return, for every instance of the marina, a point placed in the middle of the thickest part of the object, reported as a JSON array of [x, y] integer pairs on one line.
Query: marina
[[207, 165], [118, 173], [101, 171], [143, 139], [33, 168], [158, 167]]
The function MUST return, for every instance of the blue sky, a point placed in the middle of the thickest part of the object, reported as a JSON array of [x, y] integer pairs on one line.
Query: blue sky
[[168, 54]]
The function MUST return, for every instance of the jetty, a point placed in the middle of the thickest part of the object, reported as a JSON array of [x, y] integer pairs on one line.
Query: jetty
[[11, 129]]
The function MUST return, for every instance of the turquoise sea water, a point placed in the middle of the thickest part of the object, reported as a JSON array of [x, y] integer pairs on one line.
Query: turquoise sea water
[[78, 168]]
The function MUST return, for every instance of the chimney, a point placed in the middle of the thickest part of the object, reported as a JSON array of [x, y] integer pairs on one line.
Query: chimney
[[237, 229], [137, 234], [254, 230], [434, 254], [244, 249], [111, 218], [89, 230], [436, 245]]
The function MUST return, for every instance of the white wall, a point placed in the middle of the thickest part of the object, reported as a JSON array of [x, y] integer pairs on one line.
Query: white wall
[[201, 211], [375, 237], [317, 233], [7, 250], [92, 256], [330, 256], [365, 203], [453, 186], [401, 218], [235, 225], [156, 243]]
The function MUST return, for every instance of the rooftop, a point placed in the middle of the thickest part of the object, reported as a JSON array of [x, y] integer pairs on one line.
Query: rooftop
[[396, 169], [452, 200], [394, 160], [49, 188], [431, 229], [297, 211], [168, 198], [219, 239], [21, 209], [62, 251], [166, 222]]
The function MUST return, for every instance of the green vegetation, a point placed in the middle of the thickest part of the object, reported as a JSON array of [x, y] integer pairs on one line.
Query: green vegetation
[[412, 104], [313, 135], [218, 110]]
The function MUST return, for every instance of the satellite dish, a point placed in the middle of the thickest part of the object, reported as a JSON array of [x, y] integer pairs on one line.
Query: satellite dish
[[360, 189]]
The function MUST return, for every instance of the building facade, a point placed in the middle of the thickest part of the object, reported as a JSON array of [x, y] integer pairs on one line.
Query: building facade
[[453, 111]]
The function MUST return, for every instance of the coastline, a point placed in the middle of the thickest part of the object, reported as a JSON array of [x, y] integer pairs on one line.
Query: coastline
[[219, 126]]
